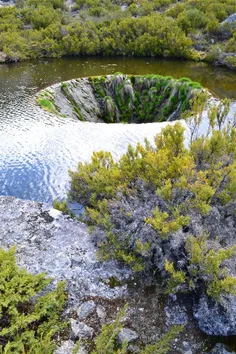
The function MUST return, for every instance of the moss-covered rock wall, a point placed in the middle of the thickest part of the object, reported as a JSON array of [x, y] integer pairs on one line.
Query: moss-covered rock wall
[[120, 98]]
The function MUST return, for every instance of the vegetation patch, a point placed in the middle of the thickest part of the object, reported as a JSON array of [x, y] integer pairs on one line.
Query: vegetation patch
[[107, 341], [155, 204], [160, 28], [45, 99], [30, 315]]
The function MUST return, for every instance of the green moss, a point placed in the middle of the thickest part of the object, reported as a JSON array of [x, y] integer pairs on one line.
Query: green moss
[[46, 102], [78, 113], [184, 79], [64, 84], [98, 84], [195, 85], [174, 99]]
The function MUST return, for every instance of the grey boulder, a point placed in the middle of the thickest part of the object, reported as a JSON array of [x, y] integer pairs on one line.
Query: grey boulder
[[230, 19], [216, 318]]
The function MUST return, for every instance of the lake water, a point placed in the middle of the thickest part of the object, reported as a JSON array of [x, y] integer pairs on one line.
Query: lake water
[[37, 148]]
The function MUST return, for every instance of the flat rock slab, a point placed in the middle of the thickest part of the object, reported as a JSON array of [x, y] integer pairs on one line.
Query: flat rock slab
[[62, 247]]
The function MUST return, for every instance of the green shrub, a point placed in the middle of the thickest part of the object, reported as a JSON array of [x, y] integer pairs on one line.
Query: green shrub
[[231, 62], [30, 315], [56, 32], [166, 224], [205, 266]]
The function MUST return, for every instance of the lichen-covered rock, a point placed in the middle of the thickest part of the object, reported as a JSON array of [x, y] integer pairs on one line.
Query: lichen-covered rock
[[216, 318], [50, 242], [66, 347], [86, 309], [81, 330], [101, 313], [176, 314], [127, 335]]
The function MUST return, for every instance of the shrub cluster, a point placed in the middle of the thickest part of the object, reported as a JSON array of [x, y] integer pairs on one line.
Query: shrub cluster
[[182, 183], [30, 315], [167, 28]]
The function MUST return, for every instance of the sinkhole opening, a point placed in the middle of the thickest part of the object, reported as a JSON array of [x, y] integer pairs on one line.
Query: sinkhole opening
[[120, 98]]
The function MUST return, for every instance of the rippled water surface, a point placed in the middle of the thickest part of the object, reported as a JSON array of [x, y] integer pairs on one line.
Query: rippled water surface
[[37, 148]]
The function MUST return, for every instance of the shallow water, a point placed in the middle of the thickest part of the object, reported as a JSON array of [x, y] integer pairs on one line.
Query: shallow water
[[37, 148]]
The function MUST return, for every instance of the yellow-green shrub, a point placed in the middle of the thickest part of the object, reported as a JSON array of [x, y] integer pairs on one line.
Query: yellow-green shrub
[[205, 267], [29, 319]]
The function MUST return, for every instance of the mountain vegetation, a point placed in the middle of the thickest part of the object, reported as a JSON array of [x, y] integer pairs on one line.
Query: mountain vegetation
[[166, 28]]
